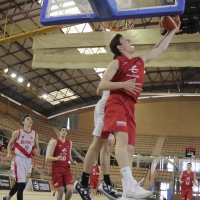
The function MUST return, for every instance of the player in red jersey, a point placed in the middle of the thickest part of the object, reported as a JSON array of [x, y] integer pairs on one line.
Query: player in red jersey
[[60, 155], [94, 179], [124, 78], [26, 145], [187, 179]]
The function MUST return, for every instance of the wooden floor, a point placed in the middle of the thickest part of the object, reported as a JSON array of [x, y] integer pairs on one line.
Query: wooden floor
[[44, 196]]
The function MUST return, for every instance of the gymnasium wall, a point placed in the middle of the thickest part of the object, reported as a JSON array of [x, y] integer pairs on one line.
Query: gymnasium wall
[[161, 116], [12, 108]]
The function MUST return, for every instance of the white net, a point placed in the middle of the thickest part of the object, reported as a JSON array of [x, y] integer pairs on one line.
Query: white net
[[110, 28]]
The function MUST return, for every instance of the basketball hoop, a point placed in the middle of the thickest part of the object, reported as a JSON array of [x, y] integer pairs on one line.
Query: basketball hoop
[[110, 28]]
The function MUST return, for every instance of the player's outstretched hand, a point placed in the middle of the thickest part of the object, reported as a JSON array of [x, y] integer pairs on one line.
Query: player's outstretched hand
[[177, 30], [132, 86], [9, 157]]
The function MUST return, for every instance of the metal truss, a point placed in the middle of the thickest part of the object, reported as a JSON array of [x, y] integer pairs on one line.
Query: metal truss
[[159, 80]]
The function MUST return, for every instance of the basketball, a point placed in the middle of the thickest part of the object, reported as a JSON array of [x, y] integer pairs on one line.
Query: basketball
[[170, 22]]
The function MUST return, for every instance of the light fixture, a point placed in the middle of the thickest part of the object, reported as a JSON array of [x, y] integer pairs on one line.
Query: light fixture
[[13, 75], [28, 84], [5, 70], [44, 96], [20, 79]]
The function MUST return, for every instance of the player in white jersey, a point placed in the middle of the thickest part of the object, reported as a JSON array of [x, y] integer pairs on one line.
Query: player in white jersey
[[26, 145], [99, 114]]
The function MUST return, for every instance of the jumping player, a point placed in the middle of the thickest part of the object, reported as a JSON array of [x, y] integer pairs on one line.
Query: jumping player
[[94, 179], [124, 78], [60, 155], [26, 145], [187, 179]]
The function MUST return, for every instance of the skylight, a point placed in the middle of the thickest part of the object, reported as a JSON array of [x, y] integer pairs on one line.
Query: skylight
[[62, 95], [102, 70], [90, 51]]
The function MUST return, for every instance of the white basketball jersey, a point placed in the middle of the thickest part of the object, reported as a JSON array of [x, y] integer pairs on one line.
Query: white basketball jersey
[[99, 108], [101, 103], [25, 143]]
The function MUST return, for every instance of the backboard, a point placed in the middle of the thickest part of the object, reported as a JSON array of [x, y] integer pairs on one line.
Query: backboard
[[57, 12]]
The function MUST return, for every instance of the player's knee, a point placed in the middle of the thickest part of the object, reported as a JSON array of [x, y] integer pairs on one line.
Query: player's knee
[[130, 150], [107, 147], [60, 192], [70, 191], [122, 141], [96, 146]]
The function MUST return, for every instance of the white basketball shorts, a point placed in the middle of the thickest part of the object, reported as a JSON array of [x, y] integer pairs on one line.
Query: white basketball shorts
[[21, 168]]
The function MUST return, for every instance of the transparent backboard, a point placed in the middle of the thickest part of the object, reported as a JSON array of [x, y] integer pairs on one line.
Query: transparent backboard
[[79, 11]]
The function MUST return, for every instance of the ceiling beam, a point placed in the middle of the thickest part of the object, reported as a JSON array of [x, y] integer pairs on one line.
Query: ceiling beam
[[138, 37]]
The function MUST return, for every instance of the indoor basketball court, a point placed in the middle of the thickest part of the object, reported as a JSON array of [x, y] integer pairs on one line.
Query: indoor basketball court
[[53, 54]]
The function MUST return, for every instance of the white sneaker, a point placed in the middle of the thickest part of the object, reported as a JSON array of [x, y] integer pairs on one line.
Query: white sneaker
[[134, 190], [125, 198]]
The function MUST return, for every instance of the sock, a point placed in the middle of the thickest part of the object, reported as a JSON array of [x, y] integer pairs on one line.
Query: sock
[[21, 187], [85, 179], [106, 178], [13, 191], [124, 188], [126, 172]]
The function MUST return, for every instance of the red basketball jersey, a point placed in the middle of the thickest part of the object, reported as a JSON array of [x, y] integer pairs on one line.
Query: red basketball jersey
[[95, 170], [187, 179], [63, 150], [129, 69]]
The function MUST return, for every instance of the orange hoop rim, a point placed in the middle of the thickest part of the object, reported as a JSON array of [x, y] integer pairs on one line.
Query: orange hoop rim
[[118, 30]]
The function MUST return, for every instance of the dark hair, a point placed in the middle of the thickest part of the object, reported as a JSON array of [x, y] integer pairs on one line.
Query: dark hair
[[189, 163], [115, 56], [62, 127], [114, 43], [23, 118]]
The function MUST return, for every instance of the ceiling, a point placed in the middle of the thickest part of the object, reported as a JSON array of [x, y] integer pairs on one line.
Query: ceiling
[[19, 22]]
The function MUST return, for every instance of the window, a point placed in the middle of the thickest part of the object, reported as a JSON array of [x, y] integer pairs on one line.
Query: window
[[68, 123]]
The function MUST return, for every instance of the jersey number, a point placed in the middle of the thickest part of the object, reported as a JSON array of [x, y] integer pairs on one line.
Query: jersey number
[[63, 158], [187, 183]]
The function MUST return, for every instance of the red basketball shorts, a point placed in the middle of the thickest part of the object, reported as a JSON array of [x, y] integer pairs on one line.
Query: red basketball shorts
[[94, 183], [186, 194], [61, 176], [119, 116]]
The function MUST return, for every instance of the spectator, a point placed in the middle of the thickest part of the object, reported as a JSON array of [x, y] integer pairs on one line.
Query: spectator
[[6, 144], [1, 145]]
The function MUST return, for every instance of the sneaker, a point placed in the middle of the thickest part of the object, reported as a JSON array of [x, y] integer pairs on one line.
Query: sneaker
[[83, 192], [125, 198], [108, 191], [134, 190], [4, 198]]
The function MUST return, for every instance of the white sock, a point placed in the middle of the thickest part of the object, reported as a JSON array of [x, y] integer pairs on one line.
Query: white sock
[[126, 172], [124, 188]]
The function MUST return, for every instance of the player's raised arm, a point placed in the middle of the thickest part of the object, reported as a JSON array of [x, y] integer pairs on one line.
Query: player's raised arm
[[160, 47], [51, 151], [11, 142]]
